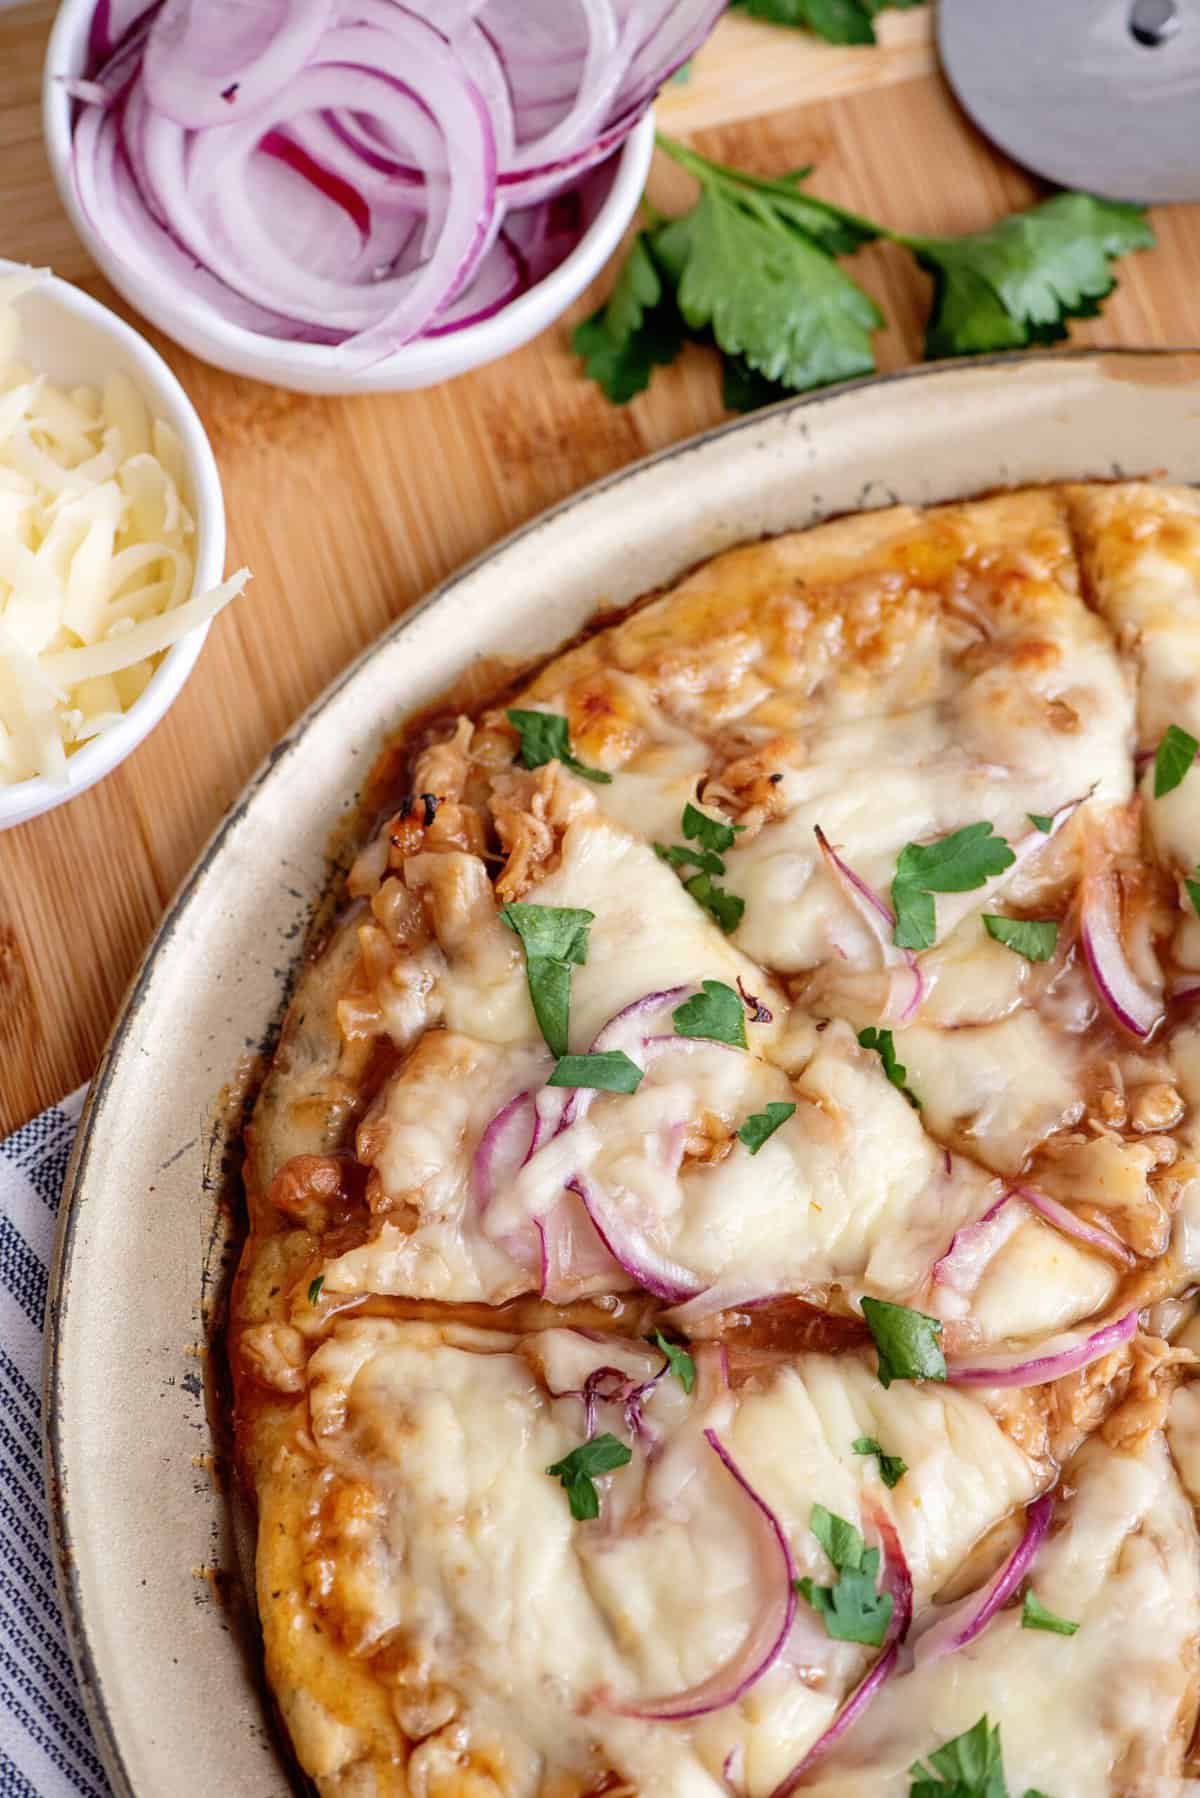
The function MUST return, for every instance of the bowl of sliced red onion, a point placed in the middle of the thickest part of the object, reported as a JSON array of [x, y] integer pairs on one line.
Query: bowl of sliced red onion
[[349, 196]]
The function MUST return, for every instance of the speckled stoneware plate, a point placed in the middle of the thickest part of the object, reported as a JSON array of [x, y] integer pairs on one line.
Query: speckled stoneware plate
[[145, 1538]]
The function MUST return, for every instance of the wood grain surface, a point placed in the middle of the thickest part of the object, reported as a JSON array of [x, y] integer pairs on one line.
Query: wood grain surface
[[348, 510]]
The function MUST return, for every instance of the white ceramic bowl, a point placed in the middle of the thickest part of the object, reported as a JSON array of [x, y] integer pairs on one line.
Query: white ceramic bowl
[[321, 368], [75, 340]]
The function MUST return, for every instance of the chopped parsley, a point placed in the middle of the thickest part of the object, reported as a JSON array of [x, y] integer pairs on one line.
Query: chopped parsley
[[970, 1766], [714, 1014], [711, 836], [680, 1362], [555, 939], [725, 907], [314, 1290], [1193, 889], [761, 1125], [884, 1046], [852, 1609], [578, 1471], [891, 1468], [907, 1342], [611, 1071], [1034, 1615], [957, 863], [546, 737], [1041, 822], [1034, 938], [1172, 759]]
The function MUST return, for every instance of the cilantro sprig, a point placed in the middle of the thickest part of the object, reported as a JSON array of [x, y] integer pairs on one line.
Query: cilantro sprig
[[714, 1014], [753, 269], [837, 21], [852, 1609], [578, 1472], [957, 863], [711, 837], [546, 737], [608, 1071]]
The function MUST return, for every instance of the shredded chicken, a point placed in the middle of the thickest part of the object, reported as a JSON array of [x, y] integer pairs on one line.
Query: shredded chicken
[[531, 809]]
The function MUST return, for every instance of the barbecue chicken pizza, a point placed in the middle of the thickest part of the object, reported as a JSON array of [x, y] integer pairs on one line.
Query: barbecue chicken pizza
[[716, 1316]]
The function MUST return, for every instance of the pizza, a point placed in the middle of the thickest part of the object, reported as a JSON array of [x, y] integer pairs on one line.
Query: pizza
[[716, 1310]]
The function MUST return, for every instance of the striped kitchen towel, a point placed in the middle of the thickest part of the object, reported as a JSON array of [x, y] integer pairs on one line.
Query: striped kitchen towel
[[46, 1746]]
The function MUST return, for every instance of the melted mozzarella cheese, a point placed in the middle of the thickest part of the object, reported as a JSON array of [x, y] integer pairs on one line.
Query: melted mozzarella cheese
[[462, 1538], [1104, 1712]]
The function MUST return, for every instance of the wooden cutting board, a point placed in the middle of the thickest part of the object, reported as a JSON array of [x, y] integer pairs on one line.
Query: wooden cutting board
[[347, 510]]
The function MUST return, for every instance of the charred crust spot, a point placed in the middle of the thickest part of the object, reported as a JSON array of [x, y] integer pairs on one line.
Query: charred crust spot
[[774, 779], [404, 809], [431, 802]]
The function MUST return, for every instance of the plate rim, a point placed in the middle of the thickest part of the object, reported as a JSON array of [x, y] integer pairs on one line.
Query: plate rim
[[74, 1192]]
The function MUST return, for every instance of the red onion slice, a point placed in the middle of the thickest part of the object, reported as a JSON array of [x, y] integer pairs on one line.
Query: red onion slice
[[652, 1270], [1135, 1007], [1103, 1241], [898, 1581], [1038, 1370], [879, 918], [573, 1256], [503, 1148], [212, 62], [973, 1246], [962, 1622], [764, 1642]]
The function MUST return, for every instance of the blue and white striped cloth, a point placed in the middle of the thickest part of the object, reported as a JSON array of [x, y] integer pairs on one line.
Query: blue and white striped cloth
[[46, 1747]]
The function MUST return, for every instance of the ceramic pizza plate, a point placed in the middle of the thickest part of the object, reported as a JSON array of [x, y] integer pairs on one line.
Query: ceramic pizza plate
[[146, 1531]]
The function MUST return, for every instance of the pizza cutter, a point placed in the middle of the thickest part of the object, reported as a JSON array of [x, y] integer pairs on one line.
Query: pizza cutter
[[1102, 95]]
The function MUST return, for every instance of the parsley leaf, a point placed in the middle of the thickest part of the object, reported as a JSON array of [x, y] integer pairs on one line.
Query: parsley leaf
[[710, 833], [956, 863], [907, 1342], [715, 1014], [578, 1471], [763, 1124], [1019, 281], [891, 1468], [852, 1609], [682, 855], [1041, 822], [545, 737], [681, 1363], [725, 907], [314, 1290], [611, 1071], [1173, 758], [1193, 889], [637, 330], [884, 1046], [554, 938], [1034, 938], [769, 293], [1034, 1615], [837, 21], [969, 1766]]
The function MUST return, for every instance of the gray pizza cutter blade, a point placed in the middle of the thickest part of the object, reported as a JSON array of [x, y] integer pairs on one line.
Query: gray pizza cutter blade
[[1102, 95]]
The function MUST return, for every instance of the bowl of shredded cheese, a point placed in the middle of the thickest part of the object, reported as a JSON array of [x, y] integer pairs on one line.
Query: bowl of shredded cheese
[[112, 541]]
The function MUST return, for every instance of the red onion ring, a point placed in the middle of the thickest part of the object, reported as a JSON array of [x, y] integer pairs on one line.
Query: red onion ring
[[963, 1621], [898, 1581], [1038, 1370], [653, 1271], [1135, 1007], [878, 916], [972, 1247], [1065, 1220], [764, 1642]]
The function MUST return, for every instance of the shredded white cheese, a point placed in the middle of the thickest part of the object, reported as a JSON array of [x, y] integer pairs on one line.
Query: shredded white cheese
[[96, 555]]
